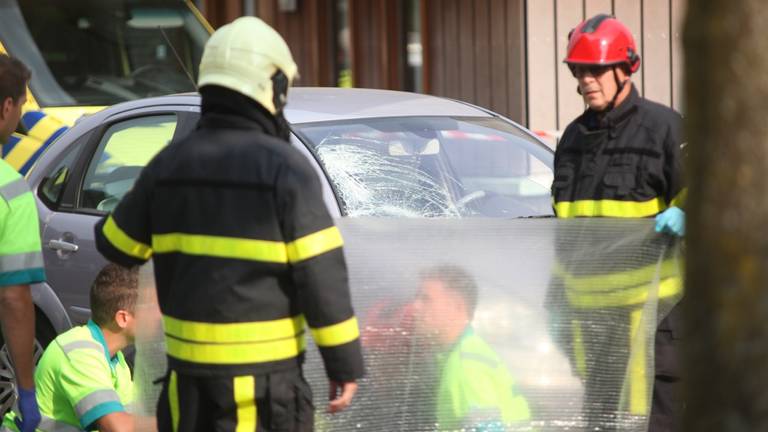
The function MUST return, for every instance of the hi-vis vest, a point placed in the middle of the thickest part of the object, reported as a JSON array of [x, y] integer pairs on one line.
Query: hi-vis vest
[[624, 165], [77, 382], [244, 252], [21, 260], [476, 391]]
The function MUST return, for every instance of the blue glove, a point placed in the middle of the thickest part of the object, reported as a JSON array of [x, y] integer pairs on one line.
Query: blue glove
[[30, 413], [671, 221]]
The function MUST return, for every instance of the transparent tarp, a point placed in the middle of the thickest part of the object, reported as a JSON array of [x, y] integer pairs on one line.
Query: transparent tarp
[[559, 335]]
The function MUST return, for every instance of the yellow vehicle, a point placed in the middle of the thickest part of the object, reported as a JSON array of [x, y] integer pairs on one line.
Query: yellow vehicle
[[88, 54]]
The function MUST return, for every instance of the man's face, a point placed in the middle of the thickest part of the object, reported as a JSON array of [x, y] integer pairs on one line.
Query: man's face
[[598, 84], [10, 114], [438, 311]]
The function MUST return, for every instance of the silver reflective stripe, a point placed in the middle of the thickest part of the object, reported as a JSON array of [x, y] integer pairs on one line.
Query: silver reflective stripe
[[81, 344], [22, 261], [96, 398], [48, 424], [13, 189]]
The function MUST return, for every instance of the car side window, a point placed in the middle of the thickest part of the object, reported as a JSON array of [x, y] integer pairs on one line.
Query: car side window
[[52, 187], [124, 150]]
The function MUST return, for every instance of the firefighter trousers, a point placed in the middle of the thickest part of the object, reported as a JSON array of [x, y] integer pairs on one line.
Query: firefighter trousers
[[277, 401]]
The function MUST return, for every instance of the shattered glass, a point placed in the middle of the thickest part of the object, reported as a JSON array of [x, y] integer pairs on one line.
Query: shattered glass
[[557, 336], [433, 167]]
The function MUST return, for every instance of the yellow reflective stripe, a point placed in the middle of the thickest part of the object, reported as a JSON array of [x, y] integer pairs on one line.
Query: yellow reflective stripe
[[173, 400], [609, 208], [314, 244], [578, 349], [617, 280], [680, 199], [256, 331], [626, 297], [23, 150], [125, 243], [235, 353], [245, 399], [221, 247], [33, 140], [638, 394], [336, 334]]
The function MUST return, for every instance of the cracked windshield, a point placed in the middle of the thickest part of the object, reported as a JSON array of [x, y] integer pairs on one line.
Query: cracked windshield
[[115, 50], [433, 167]]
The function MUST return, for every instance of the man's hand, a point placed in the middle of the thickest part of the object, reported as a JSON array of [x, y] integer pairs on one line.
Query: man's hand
[[30, 413], [340, 401], [671, 221]]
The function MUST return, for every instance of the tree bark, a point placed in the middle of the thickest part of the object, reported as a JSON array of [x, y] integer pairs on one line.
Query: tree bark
[[726, 306]]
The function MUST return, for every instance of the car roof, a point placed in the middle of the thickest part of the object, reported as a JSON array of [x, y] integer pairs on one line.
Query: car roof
[[320, 104]]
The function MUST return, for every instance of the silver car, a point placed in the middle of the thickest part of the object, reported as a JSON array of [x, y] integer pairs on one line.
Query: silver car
[[378, 153]]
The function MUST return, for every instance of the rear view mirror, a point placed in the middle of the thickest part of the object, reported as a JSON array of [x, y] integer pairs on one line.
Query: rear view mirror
[[147, 18], [413, 148]]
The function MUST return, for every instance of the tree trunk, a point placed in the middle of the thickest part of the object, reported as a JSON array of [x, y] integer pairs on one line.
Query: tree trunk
[[726, 306]]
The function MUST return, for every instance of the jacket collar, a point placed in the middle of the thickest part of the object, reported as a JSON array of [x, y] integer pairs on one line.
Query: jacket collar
[[227, 109], [594, 120]]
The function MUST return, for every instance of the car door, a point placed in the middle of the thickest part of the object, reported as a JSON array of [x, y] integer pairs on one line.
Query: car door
[[99, 174]]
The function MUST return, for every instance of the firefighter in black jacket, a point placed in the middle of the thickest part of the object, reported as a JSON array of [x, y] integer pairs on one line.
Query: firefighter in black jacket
[[620, 158], [245, 252]]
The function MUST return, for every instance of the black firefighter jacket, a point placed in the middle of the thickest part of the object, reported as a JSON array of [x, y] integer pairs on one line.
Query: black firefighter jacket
[[626, 163], [244, 250]]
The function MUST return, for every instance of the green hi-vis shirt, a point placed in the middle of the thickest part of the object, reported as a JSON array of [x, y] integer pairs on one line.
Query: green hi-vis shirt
[[21, 261], [77, 382], [476, 391]]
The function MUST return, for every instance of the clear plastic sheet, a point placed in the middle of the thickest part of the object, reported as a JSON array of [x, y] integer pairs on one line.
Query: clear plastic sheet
[[561, 337]]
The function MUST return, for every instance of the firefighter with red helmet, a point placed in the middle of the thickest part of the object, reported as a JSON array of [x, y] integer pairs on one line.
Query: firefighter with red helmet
[[621, 158]]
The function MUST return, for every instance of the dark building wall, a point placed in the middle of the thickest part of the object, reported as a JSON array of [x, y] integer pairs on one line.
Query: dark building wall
[[473, 50]]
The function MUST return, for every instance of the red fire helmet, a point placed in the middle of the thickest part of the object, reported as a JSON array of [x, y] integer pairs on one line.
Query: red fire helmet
[[602, 40]]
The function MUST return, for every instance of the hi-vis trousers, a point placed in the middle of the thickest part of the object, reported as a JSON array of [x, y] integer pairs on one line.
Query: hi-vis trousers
[[279, 401]]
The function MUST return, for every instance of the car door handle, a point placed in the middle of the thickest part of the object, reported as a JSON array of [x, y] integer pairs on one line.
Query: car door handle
[[61, 245]]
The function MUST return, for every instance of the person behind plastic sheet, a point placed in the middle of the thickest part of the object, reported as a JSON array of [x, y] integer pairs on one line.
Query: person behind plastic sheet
[[83, 381], [244, 252], [621, 158], [21, 260], [475, 391]]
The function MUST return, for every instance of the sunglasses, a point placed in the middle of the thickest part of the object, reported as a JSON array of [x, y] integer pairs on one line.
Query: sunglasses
[[579, 71]]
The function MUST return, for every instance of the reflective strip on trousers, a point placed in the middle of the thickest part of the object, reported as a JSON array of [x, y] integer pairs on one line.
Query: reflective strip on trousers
[[245, 399], [173, 400], [638, 380], [22, 261], [625, 297], [14, 189], [95, 398]]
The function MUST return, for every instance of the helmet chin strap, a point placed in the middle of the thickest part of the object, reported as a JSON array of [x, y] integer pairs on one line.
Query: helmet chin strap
[[619, 88]]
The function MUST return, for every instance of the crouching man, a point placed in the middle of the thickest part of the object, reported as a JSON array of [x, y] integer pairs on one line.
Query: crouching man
[[82, 380]]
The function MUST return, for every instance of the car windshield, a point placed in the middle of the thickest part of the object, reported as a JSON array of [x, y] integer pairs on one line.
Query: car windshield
[[433, 167], [101, 52]]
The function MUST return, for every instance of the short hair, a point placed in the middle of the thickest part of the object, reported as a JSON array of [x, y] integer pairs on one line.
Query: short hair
[[457, 280], [115, 288], [14, 76]]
